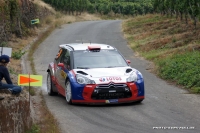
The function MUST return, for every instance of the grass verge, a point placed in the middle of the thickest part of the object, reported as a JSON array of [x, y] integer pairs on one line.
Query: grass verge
[[182, 68], [173, 46]]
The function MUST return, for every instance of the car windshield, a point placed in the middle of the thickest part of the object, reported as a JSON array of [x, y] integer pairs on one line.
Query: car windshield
[[101, 59]]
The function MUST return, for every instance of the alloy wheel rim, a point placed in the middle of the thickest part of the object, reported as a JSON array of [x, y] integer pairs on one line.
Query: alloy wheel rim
[[68, 92]]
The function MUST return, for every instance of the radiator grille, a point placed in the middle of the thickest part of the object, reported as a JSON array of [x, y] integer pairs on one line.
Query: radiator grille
[[111, 91]]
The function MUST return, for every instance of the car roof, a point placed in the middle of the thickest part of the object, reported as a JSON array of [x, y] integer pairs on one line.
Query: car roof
[[84, 46]]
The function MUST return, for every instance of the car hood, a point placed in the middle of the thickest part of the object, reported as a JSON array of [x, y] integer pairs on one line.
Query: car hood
[[106, 75]]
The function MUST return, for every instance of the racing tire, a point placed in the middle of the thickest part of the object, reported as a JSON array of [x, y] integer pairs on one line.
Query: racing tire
[[68, 93], [50, 85]]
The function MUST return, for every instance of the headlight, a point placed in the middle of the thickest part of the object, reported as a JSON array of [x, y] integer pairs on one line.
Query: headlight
[[84, 80], [132, 77]]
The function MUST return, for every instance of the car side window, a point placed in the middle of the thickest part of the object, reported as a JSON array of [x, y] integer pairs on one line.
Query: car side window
[[66, 59], [58, 56]]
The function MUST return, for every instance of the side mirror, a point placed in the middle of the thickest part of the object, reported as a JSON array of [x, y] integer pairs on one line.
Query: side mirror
[[61, 65], [128, 61]]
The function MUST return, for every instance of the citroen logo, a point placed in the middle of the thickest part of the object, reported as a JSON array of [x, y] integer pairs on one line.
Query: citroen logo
[[111, 85]]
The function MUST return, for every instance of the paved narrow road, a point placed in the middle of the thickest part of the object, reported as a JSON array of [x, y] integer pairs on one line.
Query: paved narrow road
[[165, 105]]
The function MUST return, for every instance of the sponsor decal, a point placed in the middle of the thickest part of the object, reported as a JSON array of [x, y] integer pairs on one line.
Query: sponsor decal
[[110, 79], [111, 94], [102, 79], [112, 101], [63, 74]]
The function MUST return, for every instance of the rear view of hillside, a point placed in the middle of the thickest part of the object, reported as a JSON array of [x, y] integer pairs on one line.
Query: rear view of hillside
[[15, 18], [172, 45]]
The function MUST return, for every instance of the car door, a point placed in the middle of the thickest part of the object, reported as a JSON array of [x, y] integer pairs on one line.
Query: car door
[[59, 70], [56, 62], [65, 59]]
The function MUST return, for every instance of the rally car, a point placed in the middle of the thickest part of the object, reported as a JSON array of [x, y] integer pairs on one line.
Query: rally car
[[90, 73]]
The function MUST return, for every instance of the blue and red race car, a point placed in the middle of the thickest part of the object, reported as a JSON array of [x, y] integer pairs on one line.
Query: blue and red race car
[[90, 73]]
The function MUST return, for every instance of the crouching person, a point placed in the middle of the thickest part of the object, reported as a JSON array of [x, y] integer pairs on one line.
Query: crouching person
[[4, 73]]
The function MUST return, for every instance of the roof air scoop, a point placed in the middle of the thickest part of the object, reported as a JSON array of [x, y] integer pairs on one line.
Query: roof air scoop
[[128, 70], [94, 48]]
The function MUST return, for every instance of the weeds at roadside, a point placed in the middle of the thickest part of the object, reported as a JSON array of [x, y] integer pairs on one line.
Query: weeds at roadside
[[3, 44], [34, 129], [17, 55], [172, 46], [195, 90], [12, 71], [48, 20], [32, 91], [182, 68]]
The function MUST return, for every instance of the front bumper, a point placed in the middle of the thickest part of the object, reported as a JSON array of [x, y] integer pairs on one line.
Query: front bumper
[[91, 96]]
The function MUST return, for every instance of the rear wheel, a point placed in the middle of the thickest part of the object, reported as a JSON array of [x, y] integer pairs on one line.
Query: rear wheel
[[68, 93], [49, 85]]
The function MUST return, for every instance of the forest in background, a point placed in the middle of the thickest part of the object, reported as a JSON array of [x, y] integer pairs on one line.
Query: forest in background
[[103, 7], [183, 9], [15, 15]]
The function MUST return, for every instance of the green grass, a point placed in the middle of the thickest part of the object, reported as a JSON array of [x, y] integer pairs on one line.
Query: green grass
[[140, 23], [182, 68], [34, 129], [172, 45], [3, 44], [17, 55], [153, 54], [146, 39], [195, 89]]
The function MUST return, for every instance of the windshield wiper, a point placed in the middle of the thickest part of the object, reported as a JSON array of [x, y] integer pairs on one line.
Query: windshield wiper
[[113, 66], [83, 67]]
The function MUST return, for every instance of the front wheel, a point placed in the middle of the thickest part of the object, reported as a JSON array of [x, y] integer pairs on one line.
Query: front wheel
[[68, 93]]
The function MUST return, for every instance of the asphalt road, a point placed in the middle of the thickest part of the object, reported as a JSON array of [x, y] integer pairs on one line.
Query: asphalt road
[[164, 106]]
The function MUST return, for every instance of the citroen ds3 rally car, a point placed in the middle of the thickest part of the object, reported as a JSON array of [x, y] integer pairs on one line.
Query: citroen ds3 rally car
[[90, 73]]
